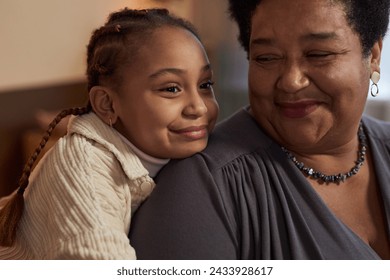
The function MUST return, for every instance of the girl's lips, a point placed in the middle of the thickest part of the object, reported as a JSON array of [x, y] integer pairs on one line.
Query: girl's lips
[[298, 109], [193, 132]]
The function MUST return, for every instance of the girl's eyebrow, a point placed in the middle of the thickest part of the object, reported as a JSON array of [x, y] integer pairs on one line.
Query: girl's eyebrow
[[176, 71], [165, 71], [206, 68]]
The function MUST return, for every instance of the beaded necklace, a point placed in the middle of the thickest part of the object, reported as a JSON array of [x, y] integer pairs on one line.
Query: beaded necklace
[[337, 178]]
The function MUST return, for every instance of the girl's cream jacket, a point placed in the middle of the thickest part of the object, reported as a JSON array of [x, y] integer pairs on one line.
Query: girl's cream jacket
[[81, 196]]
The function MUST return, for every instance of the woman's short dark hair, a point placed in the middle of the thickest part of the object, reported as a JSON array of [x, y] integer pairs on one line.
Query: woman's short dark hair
[[369, 18]]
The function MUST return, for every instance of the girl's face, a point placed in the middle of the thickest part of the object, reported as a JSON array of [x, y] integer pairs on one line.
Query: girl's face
[[308, 78], [166, 104]]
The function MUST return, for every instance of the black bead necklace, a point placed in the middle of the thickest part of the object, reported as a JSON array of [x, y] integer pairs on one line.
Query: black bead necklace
[[317, 175]]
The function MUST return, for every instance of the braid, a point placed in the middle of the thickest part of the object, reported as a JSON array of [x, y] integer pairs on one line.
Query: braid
[[12, 211]]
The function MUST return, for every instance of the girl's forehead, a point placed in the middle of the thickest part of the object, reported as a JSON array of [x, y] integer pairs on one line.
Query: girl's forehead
[[167, 48], [168, 39]]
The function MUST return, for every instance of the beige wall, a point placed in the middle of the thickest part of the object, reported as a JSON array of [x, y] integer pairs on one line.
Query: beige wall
[[43, 41]]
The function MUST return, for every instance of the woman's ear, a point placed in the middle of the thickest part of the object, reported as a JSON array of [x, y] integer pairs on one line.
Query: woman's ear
[[376, 52], [101, 99]]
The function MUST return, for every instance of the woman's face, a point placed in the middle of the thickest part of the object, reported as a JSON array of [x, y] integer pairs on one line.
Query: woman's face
[[308, 78], [166, 104]]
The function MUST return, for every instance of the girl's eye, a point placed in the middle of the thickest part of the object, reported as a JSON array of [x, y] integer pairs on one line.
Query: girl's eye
[[172, 89], [207, 85]]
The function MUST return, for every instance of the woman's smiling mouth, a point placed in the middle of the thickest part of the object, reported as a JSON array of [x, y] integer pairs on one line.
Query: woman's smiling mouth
[[297, 109]]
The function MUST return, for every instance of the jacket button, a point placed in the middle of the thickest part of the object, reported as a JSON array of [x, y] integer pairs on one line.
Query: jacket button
[[146, 187]]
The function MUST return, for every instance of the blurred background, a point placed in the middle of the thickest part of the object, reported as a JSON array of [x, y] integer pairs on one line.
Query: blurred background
[[42, 65]]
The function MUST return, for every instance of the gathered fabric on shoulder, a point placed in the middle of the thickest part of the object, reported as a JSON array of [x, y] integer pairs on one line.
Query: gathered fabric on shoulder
[[81, 197], [242, 198]]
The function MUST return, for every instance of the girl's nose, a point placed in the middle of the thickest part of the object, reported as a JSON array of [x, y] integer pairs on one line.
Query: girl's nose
[[196, 106]]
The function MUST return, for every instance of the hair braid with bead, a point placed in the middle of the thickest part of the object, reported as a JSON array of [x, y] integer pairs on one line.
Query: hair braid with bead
[[12, 211]]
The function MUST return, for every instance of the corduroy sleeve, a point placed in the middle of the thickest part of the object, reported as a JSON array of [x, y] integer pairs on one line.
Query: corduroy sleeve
[[78, 206]]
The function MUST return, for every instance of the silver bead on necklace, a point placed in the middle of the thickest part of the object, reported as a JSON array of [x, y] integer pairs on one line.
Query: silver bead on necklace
[[337, 178]]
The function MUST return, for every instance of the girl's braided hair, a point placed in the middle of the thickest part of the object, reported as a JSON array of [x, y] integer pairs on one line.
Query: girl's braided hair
[[110, 48], [12, 211]]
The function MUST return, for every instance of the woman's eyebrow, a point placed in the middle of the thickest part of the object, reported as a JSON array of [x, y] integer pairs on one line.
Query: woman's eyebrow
[[320, 36], [262, 41], [312, 36]]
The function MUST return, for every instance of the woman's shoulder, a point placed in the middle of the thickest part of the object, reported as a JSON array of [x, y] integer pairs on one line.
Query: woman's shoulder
[[236, 137], [377, 129]]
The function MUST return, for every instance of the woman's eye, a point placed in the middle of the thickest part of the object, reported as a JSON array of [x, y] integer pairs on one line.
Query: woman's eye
[[319, 54], [266, 58], [207, 85]]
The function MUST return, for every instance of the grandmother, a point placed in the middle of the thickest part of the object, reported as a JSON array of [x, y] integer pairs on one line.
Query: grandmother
[[301, 173]]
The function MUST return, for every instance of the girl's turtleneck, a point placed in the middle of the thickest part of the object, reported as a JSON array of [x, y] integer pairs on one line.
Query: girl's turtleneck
[[152, 164]]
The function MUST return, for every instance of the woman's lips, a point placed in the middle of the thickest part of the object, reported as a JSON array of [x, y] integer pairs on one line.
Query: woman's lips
[[193, 132], [298, 109]]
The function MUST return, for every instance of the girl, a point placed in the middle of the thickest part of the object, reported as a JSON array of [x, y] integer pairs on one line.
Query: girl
[[150, 99]]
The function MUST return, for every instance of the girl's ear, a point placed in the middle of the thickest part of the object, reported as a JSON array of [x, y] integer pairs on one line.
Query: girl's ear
[[376, 52], [101, 99]]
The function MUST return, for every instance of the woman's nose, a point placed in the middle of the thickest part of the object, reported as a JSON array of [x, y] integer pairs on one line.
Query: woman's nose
[[292, 78]]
